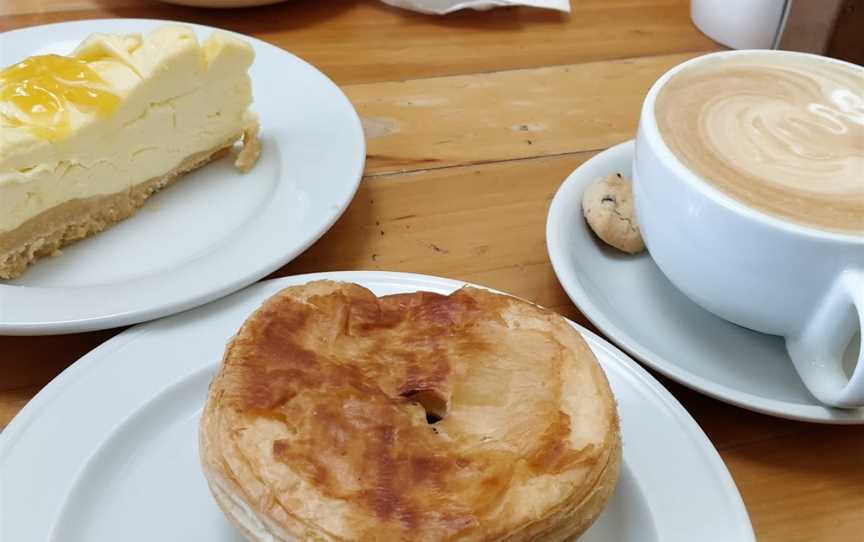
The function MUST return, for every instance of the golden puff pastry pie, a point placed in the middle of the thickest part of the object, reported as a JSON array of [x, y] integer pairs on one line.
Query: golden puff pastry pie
[[339, 415]]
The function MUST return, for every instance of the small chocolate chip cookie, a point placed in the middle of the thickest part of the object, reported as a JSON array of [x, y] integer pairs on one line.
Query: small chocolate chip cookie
[[607, 204]]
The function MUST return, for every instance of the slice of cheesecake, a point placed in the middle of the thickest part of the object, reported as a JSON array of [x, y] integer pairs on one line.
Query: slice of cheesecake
[[86, 139]]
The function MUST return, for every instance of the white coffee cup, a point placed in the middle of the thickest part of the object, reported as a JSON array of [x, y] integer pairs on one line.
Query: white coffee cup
[[755, 270]]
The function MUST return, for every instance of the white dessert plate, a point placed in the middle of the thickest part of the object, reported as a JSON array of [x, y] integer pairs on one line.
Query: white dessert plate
[[108, 450], [632, 302], [216, 230]]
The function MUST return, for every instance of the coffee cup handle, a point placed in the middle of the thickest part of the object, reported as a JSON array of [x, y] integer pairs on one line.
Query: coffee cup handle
[[817, 351]]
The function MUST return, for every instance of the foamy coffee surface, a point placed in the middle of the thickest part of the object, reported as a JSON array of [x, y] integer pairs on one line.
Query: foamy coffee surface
[[781, 133]]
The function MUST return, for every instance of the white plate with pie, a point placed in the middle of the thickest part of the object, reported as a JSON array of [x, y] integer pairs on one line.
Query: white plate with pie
[[216, 230], [632, 302], [108, 450]]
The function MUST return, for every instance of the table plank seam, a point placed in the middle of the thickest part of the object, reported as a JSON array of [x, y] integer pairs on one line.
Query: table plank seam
[[611, 60], [732, 446], [478, 163]]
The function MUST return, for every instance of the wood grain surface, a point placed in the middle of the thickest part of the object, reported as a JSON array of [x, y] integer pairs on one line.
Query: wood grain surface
[[473, 120]]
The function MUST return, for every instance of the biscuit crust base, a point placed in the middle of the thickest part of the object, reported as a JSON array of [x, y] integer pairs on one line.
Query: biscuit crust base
[[47, 232]]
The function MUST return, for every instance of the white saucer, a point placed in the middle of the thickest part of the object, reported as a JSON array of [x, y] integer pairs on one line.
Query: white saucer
[[215, 231], [632, 302], [108, 450]]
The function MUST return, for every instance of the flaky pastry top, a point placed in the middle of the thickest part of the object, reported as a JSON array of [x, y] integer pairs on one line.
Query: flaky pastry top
[[408, 417]]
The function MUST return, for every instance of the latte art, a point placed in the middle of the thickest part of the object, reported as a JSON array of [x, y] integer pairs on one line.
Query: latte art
[[780, 133]]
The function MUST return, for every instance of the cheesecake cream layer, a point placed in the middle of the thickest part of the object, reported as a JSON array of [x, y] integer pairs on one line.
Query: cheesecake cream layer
[[177, 99], [44, 234]]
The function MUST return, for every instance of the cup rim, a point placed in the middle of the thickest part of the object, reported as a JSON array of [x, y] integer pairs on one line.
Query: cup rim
[[648, 123]]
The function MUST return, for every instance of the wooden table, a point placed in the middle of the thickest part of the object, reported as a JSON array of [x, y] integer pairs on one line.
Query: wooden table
[[473, 120]]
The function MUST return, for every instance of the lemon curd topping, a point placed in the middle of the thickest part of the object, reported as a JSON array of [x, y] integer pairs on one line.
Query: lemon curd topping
[[37, 92]]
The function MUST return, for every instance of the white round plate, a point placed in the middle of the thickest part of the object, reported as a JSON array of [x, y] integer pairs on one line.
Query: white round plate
[[632, 302], [108, 450], [216, 230]]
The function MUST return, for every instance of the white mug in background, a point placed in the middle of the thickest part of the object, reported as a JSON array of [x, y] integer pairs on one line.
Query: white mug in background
[[802, 25], [758, 271], [741, 24]]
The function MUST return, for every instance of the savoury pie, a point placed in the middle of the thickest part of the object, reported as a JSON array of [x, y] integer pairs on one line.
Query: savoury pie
[[339, 415]]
